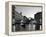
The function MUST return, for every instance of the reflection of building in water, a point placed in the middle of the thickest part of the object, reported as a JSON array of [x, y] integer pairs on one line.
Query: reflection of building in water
[[38, 18]]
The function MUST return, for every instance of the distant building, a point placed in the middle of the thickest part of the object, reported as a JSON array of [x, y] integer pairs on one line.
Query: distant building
[[38, 18], [31, 25], [24, 21]]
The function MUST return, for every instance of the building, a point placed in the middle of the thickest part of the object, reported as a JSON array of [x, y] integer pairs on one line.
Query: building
[[31, 25], [38, 18], [16, 19], [15, 15]]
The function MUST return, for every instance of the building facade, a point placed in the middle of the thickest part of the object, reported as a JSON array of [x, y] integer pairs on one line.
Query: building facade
[[16, 19], [38, 18]]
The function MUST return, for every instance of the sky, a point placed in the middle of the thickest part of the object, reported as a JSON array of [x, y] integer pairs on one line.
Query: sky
[[28, 11]]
